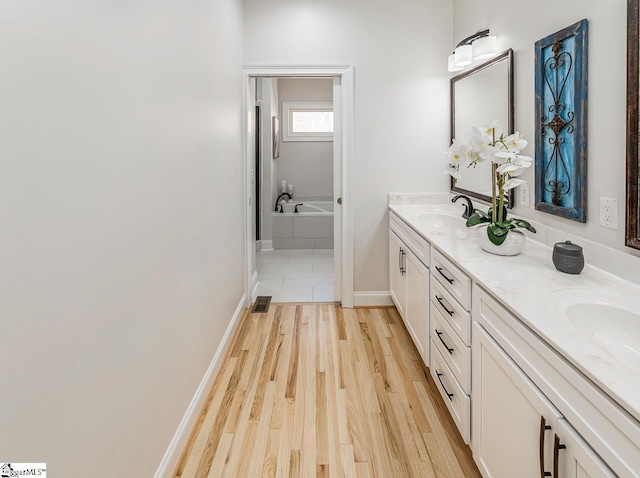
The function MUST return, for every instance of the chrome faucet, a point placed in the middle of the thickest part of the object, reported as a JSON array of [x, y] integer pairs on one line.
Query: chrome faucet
[[468, 207], [278, 201]]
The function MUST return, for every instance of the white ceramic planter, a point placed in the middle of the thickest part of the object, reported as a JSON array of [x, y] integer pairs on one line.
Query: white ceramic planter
[[512, 245]]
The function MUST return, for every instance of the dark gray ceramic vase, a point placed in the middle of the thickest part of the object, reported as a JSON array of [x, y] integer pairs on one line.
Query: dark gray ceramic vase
[[568, 257]]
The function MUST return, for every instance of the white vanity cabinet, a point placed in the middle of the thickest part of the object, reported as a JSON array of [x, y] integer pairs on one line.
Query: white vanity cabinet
[[533, 414], [409, 281], [514, 423], [519, 389], [397, 272], [450, 298]]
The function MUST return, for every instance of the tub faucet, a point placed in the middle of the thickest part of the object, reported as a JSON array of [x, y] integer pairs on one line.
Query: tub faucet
[[468, 207], [278, 200]]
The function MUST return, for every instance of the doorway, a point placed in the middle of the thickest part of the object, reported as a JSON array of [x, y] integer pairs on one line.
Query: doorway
[[336, 262], [258, 167]]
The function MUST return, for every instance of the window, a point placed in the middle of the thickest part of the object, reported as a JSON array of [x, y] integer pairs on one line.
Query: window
[[307, 121]]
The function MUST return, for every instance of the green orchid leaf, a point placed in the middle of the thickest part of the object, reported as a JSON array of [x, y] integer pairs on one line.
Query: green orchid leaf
[[524, 224], [496, 234], [498, 230], [477, 217], [504, 212], [481, 214], [505, 225]]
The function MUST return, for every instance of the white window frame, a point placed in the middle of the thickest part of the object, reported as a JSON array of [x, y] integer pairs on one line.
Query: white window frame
[[288, 107]]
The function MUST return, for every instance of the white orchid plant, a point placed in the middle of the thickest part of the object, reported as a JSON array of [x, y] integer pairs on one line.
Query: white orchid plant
[[507, 164]]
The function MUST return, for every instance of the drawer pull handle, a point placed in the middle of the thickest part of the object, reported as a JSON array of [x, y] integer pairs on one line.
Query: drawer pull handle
[[450, 395], [449, 349], [403, 262], [450, 312], [439, 269], [557, 446], [543, 428]]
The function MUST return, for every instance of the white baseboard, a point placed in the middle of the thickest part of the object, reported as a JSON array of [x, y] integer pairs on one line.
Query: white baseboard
[[372, 299], [266, 246], [179, 441], [254, 286]]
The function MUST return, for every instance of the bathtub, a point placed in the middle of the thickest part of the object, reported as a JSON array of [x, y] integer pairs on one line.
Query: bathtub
[[310, 228]]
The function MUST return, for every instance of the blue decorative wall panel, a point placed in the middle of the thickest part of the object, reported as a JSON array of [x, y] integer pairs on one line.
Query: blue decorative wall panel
[[561, 122]]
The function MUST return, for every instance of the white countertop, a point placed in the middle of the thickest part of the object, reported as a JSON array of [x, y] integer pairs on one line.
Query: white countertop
[[524, 283]]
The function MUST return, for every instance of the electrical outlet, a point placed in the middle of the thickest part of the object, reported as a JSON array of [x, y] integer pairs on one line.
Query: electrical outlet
[[609, 213], [524, 194]]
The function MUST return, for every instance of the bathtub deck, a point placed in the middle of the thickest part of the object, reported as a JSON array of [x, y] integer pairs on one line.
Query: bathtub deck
[[311, 228]]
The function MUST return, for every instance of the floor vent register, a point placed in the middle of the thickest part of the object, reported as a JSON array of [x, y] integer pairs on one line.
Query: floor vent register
[[261, 305]]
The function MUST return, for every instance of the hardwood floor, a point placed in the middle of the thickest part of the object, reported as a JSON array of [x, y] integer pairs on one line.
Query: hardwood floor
[[316, 390]]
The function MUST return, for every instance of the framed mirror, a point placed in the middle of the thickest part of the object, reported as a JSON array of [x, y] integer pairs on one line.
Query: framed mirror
[[478, 96], [632, 226]]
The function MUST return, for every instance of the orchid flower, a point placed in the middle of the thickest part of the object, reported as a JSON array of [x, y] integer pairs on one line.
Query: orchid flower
[[457, 153], [512, 183], [454, 173], [515, 142], [510, 168], [504, 152]]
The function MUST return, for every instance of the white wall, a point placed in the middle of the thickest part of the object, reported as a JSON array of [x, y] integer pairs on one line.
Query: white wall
[[519, 25], [308, 165], [399, 51], [119, 141]]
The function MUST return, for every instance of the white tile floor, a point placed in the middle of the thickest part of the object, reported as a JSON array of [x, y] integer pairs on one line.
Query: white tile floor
[[296, 275]]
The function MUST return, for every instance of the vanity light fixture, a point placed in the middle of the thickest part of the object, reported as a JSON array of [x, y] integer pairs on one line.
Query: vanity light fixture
[[463, 55], [485, 47], [451, 64], [478, 46]]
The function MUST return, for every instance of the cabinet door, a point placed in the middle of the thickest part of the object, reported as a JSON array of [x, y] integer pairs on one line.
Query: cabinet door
[[513, 424], [574, 458], [417, 313], [397, 282]]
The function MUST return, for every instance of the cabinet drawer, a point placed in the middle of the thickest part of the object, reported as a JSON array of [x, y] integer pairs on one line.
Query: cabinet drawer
[[455, 315], [453, 279], [454, 352], [458, 402], [414, 241]]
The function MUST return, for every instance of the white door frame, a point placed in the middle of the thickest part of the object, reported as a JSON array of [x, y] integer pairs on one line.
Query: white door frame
[[343, 154]]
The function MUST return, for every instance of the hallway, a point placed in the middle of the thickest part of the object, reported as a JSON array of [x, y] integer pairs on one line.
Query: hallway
[[316, 390]]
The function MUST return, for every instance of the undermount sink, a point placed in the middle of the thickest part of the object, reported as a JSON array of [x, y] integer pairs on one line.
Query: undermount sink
[[608, 319], [441, 222]]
